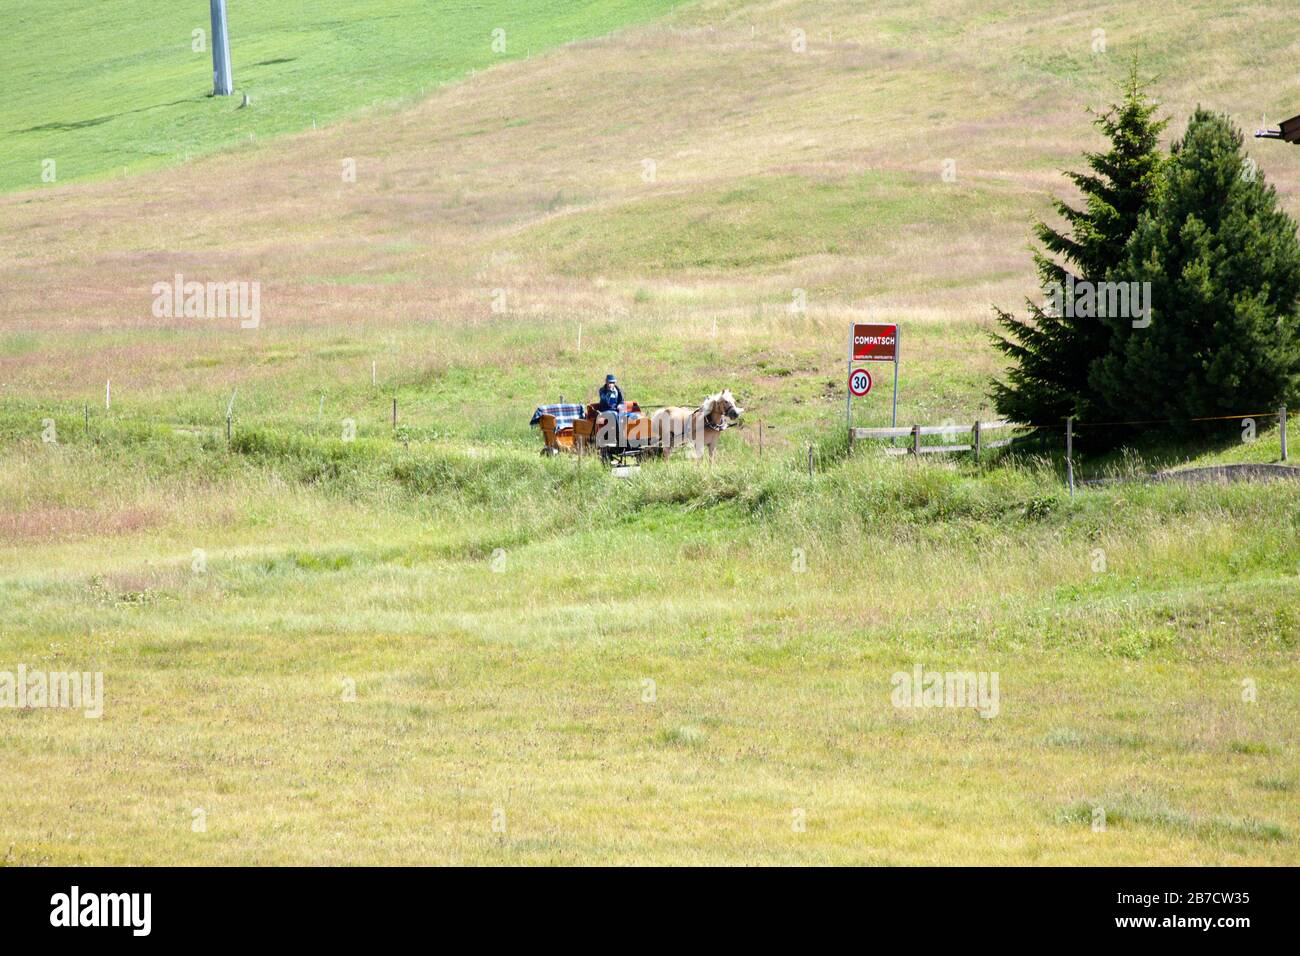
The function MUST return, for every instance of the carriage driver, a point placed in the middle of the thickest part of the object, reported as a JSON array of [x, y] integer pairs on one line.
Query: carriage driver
[[611, 396]]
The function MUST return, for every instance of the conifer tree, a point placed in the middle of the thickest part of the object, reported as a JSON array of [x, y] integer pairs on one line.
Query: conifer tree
[[1224, 266], [1052, 353]]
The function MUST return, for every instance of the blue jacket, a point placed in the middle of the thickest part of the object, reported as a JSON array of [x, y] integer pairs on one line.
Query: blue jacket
[[611, 396]]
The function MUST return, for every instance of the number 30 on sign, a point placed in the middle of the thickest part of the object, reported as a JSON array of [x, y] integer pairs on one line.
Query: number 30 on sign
[[859, 382]]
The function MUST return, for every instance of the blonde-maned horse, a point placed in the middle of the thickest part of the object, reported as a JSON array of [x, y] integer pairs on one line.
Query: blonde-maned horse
[[671, 427]]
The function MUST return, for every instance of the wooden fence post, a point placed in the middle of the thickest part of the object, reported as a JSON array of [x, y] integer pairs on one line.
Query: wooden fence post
[[916, 439], [1281, 417], [227, 428], [394, 413], [975, 439], [1069, 453]]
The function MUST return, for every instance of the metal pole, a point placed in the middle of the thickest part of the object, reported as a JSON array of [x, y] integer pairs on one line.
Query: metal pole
[[223, 79], [227, 428], [898, 344], [1069, 453], [848, 396], [810, 463], [1281, 417], [976, 439], [394, 413]]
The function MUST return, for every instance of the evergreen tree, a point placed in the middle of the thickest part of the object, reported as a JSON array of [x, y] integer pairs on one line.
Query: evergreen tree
[[1224, 266], [1051, 353]]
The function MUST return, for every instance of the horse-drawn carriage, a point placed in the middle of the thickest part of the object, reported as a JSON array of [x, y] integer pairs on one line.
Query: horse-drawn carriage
[[623, 437], [620, 438]]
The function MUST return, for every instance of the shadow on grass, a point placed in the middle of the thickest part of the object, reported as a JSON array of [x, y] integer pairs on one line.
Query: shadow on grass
[[100, 120]]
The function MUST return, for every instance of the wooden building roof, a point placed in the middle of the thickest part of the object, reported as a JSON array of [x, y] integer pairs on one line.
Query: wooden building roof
[[1289, 131]]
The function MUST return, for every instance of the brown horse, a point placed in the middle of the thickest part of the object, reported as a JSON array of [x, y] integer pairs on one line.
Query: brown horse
[[671, 427]]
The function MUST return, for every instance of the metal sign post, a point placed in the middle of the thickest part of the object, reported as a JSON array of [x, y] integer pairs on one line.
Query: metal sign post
[[898, 343], [848, 395]]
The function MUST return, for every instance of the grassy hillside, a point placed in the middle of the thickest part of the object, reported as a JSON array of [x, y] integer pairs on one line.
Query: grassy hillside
[[102, 86], [462, 584]]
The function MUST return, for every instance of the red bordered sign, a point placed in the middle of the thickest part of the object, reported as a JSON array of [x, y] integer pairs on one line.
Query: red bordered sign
[[875, 343], [859, 382]]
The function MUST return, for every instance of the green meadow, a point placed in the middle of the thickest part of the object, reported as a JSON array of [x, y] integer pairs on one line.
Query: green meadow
[[417, 647]]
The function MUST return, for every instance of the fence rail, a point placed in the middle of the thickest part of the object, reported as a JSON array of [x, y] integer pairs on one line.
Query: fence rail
[[930, 430], [916, 432]]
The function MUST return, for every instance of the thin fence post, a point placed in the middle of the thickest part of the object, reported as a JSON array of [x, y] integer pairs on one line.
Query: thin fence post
[[1069, 453], [1281, 418], [227, 428], [975, 439], [916, 439], [394, 413]]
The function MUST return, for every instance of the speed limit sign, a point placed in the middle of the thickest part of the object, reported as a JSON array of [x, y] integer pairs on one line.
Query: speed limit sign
[[859, 382]]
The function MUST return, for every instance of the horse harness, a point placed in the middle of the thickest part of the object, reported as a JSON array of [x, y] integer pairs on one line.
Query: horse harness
[[722, 421]]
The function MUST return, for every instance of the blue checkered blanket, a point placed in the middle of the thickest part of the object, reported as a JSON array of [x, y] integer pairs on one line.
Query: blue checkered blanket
[[566, 413]]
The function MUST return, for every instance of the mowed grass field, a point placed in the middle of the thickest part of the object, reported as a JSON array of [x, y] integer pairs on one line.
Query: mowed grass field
[[109, 87], [431, 645]]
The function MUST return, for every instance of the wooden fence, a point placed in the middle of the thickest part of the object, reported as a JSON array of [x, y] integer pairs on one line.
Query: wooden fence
[[976, 433]]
